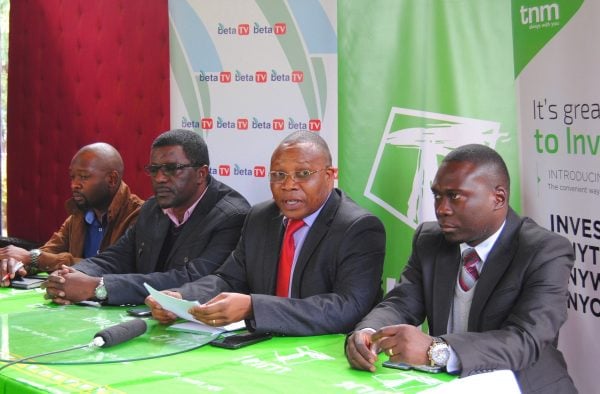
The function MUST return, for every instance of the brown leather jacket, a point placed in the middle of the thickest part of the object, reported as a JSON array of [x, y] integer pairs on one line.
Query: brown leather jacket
[[66, 245]]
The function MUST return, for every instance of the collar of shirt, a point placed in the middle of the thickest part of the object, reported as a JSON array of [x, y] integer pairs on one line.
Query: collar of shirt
[[90, 218], [484, 248], [186, 214]]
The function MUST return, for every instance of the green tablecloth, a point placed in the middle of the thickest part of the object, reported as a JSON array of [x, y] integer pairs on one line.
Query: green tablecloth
[[282, 364]]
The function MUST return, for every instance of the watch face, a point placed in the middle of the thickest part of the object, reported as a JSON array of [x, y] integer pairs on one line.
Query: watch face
[[440, 354], [101, 292]]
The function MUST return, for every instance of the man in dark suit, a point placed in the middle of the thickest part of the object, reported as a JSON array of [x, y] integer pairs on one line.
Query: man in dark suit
[[504, 312], [184, 232], [335, 276]]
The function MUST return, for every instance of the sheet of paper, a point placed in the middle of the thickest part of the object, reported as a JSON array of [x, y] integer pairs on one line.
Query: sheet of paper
[[172, 304], [197, 326]]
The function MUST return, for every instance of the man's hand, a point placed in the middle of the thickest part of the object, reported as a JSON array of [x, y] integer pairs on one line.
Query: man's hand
[[158, 313], [8, 270], [67, 285], [19, 254], [404, 343], [225, 308], [361, 350]]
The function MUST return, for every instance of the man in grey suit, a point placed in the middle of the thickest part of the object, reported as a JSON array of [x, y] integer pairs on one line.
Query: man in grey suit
[[504, 313], [184, 232], [339, 251]]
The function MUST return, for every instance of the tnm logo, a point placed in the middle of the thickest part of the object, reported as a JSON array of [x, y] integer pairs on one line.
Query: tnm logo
[[539, 14], [412, 145]]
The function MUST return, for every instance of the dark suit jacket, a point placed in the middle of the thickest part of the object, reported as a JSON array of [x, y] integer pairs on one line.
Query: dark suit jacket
[[208, 237], [336, 280], [519, 304]]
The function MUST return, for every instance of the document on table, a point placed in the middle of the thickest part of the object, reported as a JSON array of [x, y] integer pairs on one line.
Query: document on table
[[180, 308]]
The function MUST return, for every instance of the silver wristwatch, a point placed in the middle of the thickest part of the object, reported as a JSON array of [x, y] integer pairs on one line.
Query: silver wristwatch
[[34, 264], [100, 293], [438, 353]]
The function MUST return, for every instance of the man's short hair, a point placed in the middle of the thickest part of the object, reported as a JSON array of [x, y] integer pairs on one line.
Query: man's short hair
[[299, 137], [481, 156], [192, 143]]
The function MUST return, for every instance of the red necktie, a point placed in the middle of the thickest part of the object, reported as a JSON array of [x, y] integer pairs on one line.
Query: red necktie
[[286, 258], [469, 274]]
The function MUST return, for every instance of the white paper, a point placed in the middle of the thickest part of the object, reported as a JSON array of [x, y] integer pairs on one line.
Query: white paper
[[172, 304], [180, 308], [501, 382], [196, 326]]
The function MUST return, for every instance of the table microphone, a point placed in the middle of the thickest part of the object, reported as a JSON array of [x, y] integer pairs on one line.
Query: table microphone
[[120, 333]]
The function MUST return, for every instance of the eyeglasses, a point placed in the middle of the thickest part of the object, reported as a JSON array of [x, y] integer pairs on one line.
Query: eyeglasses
[[297, 176], [168, 169]]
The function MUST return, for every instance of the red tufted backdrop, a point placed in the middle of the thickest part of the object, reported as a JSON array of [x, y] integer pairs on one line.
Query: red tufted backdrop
[[80, 71]]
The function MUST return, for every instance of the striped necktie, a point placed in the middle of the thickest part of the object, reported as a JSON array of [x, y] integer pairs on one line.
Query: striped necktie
[[469, 274]]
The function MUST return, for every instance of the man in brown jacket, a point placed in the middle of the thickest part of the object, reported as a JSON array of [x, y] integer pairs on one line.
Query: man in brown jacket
[[101, 209]]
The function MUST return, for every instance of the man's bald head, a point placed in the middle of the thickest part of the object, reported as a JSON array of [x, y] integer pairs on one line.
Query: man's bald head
[[96, 172]]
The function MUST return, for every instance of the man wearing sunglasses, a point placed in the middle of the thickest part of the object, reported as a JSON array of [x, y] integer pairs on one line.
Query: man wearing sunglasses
[[184, 232], [101, 209], [322, 277]]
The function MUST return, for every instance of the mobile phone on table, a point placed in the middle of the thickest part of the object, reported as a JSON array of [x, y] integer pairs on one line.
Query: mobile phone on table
[[242, 339], [405, 367], [139, 311], [25, 282]]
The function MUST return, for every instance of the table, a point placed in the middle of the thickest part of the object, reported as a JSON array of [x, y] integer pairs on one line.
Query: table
[[283, 364]]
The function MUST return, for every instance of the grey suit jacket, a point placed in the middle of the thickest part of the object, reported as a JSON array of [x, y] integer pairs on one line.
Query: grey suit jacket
[[336, 281], [208, 237], [519, 304]]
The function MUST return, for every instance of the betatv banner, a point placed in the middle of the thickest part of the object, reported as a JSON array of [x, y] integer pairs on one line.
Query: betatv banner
[[415, 84], [559, 95], [246, 74]]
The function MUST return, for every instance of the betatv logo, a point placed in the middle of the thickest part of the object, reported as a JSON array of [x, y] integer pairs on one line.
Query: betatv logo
[[260, 171], [314, 125], [242, 124], [224, 169], [225, 77], [297, 76], [280, 28], [207, 123], [243, 29], [261, 76], [278, 124], [409, 152]]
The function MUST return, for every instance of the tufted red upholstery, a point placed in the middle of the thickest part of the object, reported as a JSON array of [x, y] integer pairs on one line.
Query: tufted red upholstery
[[80, 71]]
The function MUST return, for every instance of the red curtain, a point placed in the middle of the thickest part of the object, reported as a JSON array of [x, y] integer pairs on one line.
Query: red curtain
[[80, 71]]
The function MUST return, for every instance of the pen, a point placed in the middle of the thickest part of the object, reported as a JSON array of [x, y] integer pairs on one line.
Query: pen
[[17, 267]]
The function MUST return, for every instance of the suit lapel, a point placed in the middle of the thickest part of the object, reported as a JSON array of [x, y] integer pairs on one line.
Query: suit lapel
[[316, 233], [268, 265], [160, 232], [446, 271], [497, 263]]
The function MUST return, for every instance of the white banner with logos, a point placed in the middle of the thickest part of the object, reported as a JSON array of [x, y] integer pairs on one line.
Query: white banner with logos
[[560, 143], [246, 74]]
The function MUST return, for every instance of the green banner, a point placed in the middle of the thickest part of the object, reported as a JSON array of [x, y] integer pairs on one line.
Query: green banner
[[417, 79]]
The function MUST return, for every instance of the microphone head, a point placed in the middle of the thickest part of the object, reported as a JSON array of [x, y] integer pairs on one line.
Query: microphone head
[[121, 332]]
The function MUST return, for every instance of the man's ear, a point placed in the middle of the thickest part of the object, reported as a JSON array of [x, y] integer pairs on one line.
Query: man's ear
[[113, 179], [500, 197]]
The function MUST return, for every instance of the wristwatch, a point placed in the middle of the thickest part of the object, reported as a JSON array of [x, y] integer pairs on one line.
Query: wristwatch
[[438, 353], [34, 267], [100, 293]]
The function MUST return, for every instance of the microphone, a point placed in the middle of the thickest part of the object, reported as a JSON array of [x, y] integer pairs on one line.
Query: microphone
[[120, 333]]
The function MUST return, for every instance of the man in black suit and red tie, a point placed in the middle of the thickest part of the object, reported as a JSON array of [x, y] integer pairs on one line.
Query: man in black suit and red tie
[[323, 279]]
